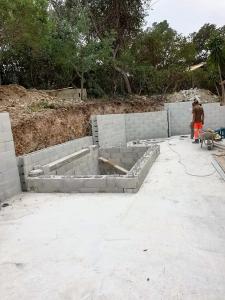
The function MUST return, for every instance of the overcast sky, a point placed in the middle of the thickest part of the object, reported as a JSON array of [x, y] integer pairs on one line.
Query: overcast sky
[[187, 16]]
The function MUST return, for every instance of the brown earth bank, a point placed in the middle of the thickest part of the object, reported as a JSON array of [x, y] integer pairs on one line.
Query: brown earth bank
[[63, 124], [39, 120]]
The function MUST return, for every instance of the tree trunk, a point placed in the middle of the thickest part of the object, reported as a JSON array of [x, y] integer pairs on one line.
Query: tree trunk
[[222, 86], [82, 85], [126, 79], [217, 90], [31, 74]]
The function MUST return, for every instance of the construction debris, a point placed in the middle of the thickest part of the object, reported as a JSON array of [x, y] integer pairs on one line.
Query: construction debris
[[203, 96]]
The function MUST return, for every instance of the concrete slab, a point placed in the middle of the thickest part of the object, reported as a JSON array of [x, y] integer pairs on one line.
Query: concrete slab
[[165, 242]]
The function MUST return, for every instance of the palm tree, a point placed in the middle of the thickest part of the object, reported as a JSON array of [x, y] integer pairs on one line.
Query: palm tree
[[217, 58]]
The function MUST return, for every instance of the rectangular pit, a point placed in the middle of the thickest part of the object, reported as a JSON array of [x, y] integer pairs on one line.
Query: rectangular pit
[[95, 170]]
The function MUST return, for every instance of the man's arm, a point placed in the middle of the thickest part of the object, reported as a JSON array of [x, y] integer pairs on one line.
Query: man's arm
[[193, 116], [203, 116]]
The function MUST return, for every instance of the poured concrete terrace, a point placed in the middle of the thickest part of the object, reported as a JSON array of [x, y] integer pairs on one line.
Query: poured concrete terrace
[[165, 242]]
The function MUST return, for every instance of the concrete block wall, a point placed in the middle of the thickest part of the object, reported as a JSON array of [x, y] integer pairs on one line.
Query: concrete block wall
[[109, 130], [124, 157], [9, 175], [71, 184], [214, 115], [85, 165], [117, 130], [180, 116], [146, 125], [129, 183], [27, 162], [142, 167], [94, 124]]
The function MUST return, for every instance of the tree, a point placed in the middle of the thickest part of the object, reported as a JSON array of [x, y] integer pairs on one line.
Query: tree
[[24, 26], [161, 57], [201, 40], [87, 52], [216, 47], [101, 45], [123, 20]]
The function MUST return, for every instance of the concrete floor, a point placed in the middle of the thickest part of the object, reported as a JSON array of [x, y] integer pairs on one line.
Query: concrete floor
[[166, 242]]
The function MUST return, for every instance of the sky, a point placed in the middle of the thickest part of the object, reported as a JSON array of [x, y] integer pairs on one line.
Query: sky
[[187, 16]]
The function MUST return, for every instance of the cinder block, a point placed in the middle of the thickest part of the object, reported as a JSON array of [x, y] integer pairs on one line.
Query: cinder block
[[6, 136], [5, 125], [72, 184], [2, 196], [126, 183], [7, 147], [44, 185], [4, 119], [131, 191], [111, 130], [7, 163], [99, 183]]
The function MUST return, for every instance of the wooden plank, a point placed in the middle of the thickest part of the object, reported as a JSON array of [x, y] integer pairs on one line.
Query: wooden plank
[[112, 164], [218, 169], [221, 162], [65, 160]]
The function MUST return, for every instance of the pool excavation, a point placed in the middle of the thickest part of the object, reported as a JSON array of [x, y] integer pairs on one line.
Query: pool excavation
[[94, 170]]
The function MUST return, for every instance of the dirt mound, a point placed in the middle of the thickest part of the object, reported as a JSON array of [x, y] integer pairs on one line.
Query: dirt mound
[[40, 120], [204, 96], [52, 127], [16, 95], [20, 102]]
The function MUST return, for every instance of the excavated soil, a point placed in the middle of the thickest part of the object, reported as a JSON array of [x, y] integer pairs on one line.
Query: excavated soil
[[39, 120]]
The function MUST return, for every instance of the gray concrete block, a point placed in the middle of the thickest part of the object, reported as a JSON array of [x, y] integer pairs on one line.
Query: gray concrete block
[[99, 183], [123, 182], [146, 125], [131, 191], [6, 136], [44, 185], [2, 196], [7, 146], [71, 185], [9, 174], [4, 120], [111, 130], [7, 161]]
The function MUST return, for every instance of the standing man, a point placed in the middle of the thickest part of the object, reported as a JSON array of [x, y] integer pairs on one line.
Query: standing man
[[192, 124], [198, 120]]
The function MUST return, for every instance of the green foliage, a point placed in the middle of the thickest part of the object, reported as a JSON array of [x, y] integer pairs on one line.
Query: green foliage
[[216, 58], [24, 23], [24, 28], [201, 39], [101, 45], [216, 46]]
